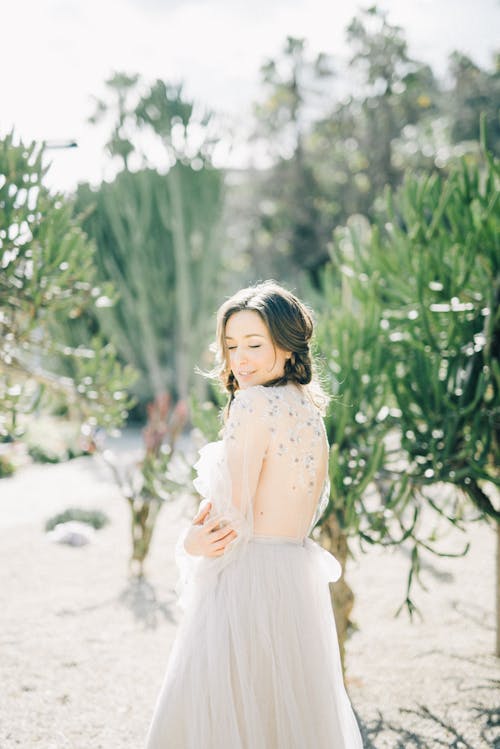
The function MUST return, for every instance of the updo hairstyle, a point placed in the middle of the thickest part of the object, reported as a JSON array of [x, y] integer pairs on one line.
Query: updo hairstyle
[[290, 325]]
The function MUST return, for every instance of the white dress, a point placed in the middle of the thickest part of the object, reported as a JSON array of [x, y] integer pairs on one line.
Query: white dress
[[255, 664]]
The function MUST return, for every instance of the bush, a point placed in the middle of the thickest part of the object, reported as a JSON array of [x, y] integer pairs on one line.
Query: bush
[[40, 454], [95, 518], [6, 467]]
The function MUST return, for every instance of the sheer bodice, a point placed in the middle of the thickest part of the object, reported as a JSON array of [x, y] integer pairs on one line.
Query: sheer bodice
[[268, 476], [277, 455]]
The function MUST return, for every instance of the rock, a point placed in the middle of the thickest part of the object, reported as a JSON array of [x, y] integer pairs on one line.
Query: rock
[[72, 533]]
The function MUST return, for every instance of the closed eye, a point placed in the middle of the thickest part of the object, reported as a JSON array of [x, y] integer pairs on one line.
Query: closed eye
[[232, 348]]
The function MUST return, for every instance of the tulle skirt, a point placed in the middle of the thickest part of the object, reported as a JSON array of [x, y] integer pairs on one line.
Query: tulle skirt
[[256, 664]]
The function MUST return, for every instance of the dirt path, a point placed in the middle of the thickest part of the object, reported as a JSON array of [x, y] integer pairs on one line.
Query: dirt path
[[82, 652]]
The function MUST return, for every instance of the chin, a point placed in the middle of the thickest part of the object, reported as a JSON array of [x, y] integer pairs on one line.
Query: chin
[[246, 382]]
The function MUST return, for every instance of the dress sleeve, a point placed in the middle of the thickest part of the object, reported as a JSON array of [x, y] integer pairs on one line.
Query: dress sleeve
[[228, 476], [246, 438]]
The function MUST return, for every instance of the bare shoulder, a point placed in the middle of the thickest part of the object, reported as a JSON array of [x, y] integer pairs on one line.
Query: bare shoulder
[[251, 400]]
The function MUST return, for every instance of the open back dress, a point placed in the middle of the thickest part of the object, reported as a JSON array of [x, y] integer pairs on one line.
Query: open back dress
[[255, 664]]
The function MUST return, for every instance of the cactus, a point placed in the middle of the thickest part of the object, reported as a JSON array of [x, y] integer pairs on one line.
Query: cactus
[[47, 275], [158, 240], [425, 283], [443, 334], [348, 338]]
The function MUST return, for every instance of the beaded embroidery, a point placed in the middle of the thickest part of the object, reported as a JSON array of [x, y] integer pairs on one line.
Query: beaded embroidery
[[294, 428]]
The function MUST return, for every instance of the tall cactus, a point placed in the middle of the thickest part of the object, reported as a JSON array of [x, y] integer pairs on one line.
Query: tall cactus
[[434, 263], [438, 265], [350, 342], [443, 335], [158, 239]]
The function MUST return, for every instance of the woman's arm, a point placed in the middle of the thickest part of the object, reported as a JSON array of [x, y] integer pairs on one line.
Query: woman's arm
[[245, 441], [205, 537]]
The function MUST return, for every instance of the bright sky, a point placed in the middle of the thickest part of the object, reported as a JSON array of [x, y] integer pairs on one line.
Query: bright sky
[[56, 54]]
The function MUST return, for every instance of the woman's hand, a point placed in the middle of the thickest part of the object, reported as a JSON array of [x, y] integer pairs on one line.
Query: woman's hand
[[205, 537], [203, 512]]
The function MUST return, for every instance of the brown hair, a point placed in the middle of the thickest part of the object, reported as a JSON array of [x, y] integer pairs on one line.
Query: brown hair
[[290, 324]]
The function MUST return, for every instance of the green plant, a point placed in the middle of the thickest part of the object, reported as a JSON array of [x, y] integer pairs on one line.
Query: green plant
[[95, 518], [158, 235], [349, 341], [48, 274], [40, 454], [7, 468], [206, 414], [425, 280], [152, 481]]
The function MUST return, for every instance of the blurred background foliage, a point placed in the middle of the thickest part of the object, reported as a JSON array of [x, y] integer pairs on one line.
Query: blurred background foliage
[[411, 341], [48, 274], [333, 154], [174, 233], [377, 203], [158, 235]]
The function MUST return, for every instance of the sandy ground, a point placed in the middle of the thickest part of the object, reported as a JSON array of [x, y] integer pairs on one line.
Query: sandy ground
[[83, 650]]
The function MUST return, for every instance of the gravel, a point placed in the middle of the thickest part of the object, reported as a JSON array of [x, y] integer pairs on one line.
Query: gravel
[[83, 648]]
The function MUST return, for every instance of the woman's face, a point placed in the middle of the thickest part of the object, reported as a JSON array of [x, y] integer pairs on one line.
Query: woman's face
[[253, 357]]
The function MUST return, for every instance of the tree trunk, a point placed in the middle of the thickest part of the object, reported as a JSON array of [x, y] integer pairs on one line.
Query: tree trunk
[[498, 591], [334, 540], [183, 290], [144, 513]]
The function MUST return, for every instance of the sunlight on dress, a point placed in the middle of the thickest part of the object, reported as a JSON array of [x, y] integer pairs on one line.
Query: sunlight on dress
[[255, 664]]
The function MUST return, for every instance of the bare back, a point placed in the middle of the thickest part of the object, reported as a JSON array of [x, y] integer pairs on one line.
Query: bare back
[[277, 454]]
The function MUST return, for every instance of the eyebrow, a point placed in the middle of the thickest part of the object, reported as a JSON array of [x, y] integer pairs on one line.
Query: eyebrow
[[250, 335]]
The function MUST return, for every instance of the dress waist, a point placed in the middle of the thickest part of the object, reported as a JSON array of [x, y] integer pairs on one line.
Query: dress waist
[[262, 539], [328, 567]]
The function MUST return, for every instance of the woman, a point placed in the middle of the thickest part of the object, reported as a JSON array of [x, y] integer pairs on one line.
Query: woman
[[256, 662]]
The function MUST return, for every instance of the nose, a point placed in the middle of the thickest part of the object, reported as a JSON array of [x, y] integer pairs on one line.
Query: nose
[[239, 357]]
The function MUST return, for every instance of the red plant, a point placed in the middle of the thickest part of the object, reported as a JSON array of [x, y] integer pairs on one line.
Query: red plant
[[164, 422]]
